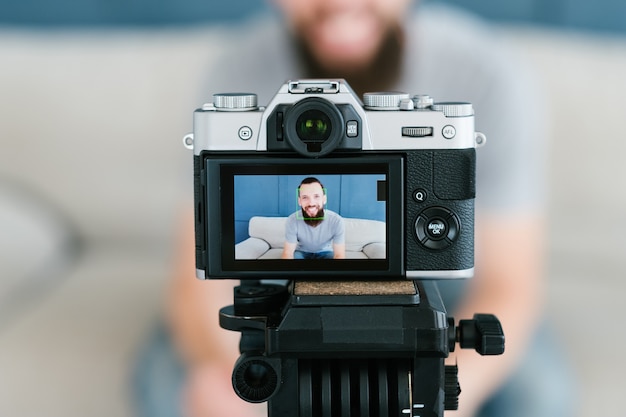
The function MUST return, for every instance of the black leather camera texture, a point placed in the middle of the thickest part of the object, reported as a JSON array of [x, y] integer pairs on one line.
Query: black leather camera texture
[[448, 180]]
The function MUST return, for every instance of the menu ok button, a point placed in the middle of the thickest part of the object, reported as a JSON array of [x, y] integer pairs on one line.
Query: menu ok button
[[437, 228]]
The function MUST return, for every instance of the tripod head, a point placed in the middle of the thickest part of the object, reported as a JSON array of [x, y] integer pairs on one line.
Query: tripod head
[[351, 348]]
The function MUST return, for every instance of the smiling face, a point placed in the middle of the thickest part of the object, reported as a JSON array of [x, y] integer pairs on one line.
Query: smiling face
[[311, 198], [343, 34]]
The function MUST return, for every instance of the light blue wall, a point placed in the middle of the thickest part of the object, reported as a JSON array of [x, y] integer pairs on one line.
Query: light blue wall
[[597, 15], [352, 196], [54, 13]]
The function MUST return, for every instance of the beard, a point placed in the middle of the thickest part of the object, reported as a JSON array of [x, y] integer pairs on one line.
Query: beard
[[380, 74], [314, 220]]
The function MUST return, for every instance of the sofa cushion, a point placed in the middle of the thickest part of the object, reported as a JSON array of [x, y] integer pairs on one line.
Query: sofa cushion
[[359, 232], [270, 229]]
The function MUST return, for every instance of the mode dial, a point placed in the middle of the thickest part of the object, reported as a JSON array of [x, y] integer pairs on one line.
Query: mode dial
[[235, 101], [384, 100]]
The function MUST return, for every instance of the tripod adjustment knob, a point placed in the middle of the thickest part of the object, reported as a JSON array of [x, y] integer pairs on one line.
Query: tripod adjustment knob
[[483, 333], [451, 388]]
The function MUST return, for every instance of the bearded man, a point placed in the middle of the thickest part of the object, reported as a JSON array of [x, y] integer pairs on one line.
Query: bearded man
[[314, 232], [392, 45]]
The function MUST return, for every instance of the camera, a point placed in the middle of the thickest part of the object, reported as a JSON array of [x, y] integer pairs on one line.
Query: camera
[[358, 207], [405, 162]]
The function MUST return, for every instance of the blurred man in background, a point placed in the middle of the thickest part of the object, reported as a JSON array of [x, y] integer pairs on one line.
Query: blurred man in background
[[379, 45]]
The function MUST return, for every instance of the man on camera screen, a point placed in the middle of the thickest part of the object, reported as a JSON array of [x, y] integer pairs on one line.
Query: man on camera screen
[[314, 232]]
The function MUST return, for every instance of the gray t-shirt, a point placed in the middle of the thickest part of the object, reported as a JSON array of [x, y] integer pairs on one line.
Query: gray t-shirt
[[450, 56], [315, 239]]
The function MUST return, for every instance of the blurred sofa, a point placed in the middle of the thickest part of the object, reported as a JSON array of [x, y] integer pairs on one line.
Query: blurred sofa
[[94, 182], [91, 134]]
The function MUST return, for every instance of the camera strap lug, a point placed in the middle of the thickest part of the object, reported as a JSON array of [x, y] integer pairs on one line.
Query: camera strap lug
[[188, 141]]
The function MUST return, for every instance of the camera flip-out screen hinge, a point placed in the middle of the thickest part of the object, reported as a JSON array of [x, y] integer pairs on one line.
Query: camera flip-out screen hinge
[[314, 87]]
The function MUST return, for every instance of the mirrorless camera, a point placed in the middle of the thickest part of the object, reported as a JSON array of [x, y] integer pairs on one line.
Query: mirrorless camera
[[405, 163], [361, 334]]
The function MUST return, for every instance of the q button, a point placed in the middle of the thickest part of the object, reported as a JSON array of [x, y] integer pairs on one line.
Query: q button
[[419, 195]]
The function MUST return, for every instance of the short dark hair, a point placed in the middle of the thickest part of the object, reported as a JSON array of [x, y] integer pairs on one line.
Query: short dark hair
[[311, 180]]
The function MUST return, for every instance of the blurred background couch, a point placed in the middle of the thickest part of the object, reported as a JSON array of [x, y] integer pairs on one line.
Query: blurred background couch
[[95, 98]]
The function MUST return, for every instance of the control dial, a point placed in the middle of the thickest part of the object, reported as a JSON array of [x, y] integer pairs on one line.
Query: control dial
[[235, 101]]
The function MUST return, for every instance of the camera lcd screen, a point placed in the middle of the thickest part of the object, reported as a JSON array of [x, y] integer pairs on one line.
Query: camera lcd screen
[[337, 217], [319, 216]]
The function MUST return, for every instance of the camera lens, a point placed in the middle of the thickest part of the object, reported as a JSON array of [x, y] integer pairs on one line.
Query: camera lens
[[313, 125]]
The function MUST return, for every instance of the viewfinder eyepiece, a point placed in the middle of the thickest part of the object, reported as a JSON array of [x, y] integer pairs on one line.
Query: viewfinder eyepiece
[[314, 127]]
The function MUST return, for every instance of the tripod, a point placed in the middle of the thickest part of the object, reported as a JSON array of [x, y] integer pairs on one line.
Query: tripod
[[351, 349]]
